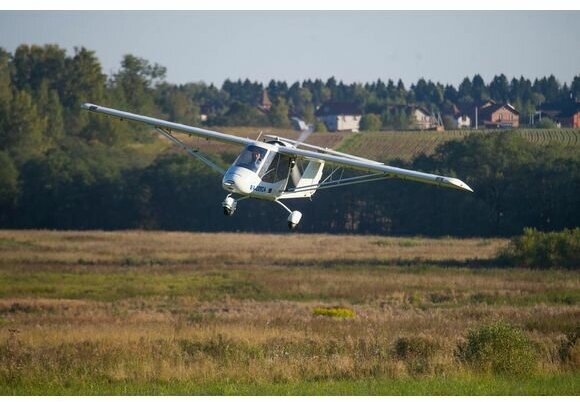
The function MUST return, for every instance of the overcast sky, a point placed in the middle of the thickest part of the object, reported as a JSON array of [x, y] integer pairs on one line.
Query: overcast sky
[[351, 46]]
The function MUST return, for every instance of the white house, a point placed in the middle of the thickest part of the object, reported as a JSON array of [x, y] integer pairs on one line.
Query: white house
[[463, 120], [422, 118], [339, 116]]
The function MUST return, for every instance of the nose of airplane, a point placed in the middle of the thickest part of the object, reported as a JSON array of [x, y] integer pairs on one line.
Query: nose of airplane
[[237, 183]]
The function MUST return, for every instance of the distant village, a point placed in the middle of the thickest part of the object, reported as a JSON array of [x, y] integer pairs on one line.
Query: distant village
[[345, 116]]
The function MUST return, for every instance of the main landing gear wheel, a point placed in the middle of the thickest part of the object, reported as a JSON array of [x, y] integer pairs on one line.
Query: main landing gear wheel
[[294, 219]]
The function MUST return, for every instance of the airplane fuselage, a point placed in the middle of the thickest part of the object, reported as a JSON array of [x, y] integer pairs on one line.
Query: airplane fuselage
[[245, 182], [246, 175]]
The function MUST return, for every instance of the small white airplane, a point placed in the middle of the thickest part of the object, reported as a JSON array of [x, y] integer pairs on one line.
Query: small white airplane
[[277, 168]]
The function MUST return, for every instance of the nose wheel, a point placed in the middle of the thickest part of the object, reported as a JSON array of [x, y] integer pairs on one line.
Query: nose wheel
[[229, 205]]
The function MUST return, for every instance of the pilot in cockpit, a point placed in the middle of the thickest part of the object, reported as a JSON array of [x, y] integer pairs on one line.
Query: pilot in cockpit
[[256, 158]]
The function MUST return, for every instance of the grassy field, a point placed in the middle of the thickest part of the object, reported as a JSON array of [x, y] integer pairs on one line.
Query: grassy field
[[182, 313]]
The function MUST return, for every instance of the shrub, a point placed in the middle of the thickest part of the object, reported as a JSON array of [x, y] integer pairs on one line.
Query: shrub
[[370, 122], [544, 250], [569, 350], [320, 127], [417, 353], [498, 348], [336, 312], [546, 123]]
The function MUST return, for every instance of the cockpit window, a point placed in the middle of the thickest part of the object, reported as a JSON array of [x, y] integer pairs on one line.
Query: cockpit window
[[275, 168], [251, 158]]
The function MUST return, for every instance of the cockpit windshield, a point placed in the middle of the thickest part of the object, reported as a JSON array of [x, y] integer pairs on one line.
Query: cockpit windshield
[[251, 158]]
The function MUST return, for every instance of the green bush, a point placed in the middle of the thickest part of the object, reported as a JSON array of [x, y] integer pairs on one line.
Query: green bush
[[546, 123], [544, 250], [336, 312], [498, 348], [569, 350], [320, 127], [370, 122], [417, 353]]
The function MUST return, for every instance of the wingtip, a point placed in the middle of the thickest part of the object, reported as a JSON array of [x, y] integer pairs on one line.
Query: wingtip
[[89, 106], [460, 185]]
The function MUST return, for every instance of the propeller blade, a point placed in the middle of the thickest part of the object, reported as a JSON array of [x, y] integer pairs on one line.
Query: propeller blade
[[305, 134]]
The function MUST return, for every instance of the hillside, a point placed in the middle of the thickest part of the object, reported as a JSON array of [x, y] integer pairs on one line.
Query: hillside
[[389, 145]]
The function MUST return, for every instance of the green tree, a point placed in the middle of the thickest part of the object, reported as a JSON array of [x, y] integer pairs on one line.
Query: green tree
[[575, 88], [499, 88], [243, 91], [301, 102], [465, 92], [478, 89], [277, 89], [450, 94], [5, 80], [174, 182], [85, 80], [549, 87], [25, 128], [308, 114], [181, 108], [387, 118], [279, 114], [400, 93], [35, 64], [494, 166], [5, 91], [401, 121], [370, 122], [49, 105], [107, 131], [135, 83], [8, 187], [242, 114]]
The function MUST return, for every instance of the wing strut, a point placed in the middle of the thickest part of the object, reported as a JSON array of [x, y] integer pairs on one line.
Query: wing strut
[[341, 182], [193, 152]]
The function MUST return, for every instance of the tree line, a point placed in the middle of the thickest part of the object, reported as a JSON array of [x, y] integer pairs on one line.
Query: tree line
[[64, 168]]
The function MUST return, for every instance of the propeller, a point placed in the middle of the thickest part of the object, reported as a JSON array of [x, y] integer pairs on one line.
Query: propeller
[[304, 134]]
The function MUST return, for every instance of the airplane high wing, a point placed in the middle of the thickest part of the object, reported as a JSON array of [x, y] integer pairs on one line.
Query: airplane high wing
[[373, 166], [268, 169], [157, 123]]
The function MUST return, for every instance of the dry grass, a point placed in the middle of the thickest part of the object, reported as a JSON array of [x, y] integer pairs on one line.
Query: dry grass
[[153, 306], [48, 247]]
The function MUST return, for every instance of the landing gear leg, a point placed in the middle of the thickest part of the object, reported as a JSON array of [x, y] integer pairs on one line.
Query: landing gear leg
[[293, 218]]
